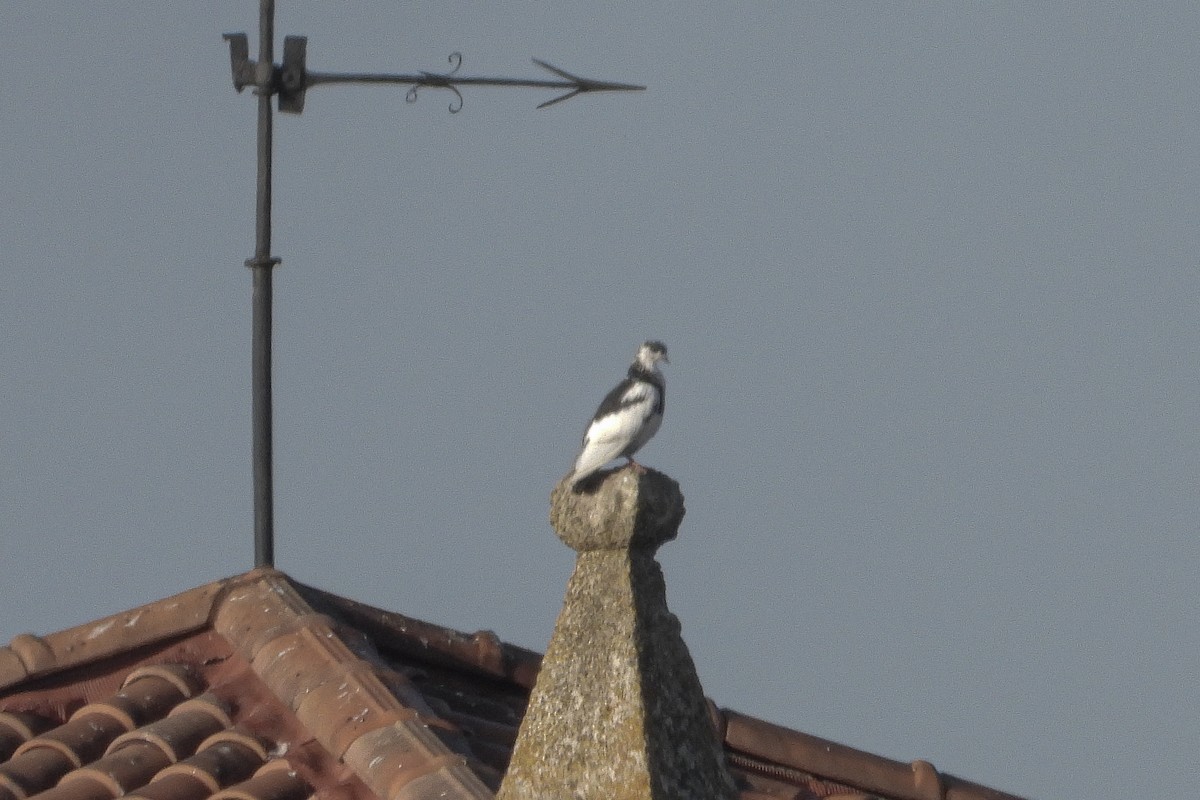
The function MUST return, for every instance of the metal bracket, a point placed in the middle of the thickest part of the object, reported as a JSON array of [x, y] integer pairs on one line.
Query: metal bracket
[[239, 57], [293, 79], [268, 262]]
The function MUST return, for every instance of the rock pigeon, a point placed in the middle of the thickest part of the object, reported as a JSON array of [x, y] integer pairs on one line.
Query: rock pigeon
[[628, 416]]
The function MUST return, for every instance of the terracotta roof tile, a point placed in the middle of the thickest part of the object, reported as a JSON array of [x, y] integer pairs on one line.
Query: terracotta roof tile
[[274, 781], [16, 729], [12, 668], [32, 772], [221, 760], [260, 688], [80, 746], [117, 773]]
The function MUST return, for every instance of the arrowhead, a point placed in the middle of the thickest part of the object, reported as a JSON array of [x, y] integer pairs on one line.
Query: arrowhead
[[583, 84], [562, 73], [560, 98]]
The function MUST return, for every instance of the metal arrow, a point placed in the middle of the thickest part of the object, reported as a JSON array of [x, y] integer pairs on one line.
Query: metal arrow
[[293, 79]]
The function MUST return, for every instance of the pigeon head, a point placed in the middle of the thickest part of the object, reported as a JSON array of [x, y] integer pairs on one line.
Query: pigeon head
[[651, 354]]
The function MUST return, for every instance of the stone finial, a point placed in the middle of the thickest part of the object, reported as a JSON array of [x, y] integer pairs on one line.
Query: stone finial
[[617, 712]]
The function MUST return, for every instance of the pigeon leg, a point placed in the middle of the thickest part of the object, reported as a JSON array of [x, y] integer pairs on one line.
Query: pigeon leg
[[638, 468]]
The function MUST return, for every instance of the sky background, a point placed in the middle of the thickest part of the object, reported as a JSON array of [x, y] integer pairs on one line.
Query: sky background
[[927, 273]]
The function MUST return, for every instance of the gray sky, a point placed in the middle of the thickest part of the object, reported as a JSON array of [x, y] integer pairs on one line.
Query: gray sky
[[927, 273]]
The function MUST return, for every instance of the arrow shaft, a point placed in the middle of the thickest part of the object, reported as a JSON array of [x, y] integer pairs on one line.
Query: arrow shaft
[[435, 80]]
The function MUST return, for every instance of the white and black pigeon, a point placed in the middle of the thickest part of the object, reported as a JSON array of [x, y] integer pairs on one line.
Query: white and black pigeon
[[628, 416]]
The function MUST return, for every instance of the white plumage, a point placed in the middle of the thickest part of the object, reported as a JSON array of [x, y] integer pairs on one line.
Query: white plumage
[[628, 416]]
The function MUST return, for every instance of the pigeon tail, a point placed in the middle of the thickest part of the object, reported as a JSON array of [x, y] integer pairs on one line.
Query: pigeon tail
[[592, 459]]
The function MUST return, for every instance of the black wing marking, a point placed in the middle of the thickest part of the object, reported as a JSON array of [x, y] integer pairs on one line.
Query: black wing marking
[[618, 399]]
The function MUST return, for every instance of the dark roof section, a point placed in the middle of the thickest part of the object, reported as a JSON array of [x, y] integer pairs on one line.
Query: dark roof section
[[261, 688]]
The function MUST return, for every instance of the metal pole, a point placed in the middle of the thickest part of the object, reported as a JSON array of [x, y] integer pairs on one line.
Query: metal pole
[[261, 265]]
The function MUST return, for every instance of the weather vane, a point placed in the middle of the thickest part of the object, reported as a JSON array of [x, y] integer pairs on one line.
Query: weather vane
[[290, 81]]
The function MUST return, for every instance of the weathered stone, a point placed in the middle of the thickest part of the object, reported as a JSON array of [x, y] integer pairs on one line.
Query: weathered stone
[[618, 712]]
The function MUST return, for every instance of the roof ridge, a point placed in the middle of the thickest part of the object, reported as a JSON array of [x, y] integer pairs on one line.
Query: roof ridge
[[337, 694], [482, 650], [824, 758], [29, 656]]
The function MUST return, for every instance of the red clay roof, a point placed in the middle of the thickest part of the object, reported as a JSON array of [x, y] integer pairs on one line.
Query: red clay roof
[[260, 688]]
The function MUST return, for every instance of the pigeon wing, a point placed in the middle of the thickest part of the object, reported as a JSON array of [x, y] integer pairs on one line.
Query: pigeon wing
[[617, 424]]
